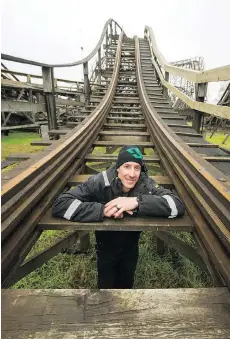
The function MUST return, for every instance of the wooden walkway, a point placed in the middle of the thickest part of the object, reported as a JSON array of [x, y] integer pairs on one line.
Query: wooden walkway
[[107, 314]]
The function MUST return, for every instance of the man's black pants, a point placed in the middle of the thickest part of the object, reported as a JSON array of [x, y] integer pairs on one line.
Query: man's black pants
[[117, 256]]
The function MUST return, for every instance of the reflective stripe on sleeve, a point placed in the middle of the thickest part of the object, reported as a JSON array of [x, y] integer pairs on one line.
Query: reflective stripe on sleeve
[[71, 209], [172, 205], [106, 180]]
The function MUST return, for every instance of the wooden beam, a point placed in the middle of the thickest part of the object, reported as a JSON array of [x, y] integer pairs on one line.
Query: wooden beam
[[20, 106], [183, 248], [41, 258], [9, 128], [161, 180], [183, 224]]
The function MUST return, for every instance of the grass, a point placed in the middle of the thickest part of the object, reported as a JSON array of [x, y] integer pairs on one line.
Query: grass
[[18, 142], [218, 139], [79, 271]]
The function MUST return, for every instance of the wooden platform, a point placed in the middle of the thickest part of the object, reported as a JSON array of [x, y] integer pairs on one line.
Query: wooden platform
[[107, 314]]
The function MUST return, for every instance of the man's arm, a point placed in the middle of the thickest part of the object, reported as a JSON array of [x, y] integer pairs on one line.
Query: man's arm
[[78, 204], [162, 203]]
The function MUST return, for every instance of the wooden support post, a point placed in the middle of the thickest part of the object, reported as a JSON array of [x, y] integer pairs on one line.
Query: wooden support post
[[226, 138], [99, 65], [160, 246], [84, 243], [5, 118], [115, 29], [182, 247], [86, 82], [28, 80], [200, 92], [106, 48], [165, 90], [111, 32], [55, 83], [157, 76], [48, 85]]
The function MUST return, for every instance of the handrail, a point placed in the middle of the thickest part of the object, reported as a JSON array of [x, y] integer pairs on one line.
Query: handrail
[[48, 69], [211, 75], [79, 62], [215, 74], [212, 109], [46, 159], [40, 77]]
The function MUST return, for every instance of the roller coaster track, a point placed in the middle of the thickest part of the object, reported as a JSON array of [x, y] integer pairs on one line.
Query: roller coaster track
[[132, 109]]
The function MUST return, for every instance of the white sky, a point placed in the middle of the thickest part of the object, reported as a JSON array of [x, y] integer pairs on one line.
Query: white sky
[[53, 31]]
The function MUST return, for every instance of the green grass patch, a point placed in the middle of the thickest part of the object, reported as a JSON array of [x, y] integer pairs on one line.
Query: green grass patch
[[18, 142], [218, 139]]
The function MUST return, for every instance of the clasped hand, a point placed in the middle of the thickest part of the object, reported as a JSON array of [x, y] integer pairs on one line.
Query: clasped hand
[[124, 204]]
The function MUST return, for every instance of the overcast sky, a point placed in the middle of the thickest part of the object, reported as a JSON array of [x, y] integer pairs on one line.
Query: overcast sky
[[53, 31]]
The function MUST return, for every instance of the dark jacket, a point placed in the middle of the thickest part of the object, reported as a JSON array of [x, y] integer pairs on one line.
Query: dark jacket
[[85, 203]]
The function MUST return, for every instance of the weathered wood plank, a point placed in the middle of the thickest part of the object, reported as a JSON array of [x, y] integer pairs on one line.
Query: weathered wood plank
[[183, 224], [120, 143], [161, 180], [124, 133], [84, 314], [6, 163], [58, 131], [102, 157], [21, 106], [19, 157], [42, 142], [8, 128]]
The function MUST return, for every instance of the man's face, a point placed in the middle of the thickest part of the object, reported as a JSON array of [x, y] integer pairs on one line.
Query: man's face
[[129, 174]]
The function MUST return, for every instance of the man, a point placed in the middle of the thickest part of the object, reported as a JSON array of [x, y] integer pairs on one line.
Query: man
[[125, 188]]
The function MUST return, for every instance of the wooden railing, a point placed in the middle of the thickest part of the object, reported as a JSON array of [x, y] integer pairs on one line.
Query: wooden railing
[[163, 69], [110, 29]]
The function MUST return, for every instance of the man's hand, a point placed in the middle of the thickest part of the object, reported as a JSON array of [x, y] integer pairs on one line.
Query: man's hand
[[117, 206], [112, 212]]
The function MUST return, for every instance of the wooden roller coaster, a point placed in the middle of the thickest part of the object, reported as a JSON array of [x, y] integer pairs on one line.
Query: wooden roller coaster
[[129, 104]]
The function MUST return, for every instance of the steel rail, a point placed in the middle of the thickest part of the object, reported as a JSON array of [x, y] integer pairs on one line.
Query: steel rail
[[21, 197], [76, 63], [207, 187]]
